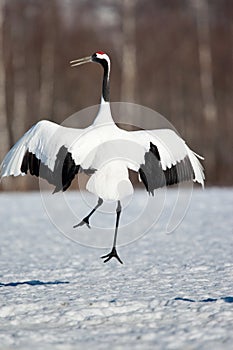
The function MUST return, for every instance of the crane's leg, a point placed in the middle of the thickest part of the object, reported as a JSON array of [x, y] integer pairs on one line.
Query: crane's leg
[[85, 221], [113, 253]]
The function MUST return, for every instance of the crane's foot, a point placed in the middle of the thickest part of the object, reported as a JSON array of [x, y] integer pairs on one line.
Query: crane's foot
[[85, 221], [112, 254]]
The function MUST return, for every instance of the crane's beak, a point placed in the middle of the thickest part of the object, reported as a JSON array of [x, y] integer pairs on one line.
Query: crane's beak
[[80, 61]]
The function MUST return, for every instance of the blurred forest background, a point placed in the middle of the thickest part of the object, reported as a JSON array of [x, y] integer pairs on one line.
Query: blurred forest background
[[174, 56]]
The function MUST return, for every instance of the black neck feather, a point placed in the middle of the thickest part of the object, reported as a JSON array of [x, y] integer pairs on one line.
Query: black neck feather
[[105, 86]]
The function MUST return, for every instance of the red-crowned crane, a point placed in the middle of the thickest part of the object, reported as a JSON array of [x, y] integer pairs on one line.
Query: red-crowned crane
[[58, 153]]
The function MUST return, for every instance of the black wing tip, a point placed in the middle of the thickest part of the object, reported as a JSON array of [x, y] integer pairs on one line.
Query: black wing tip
[[63, 174], [154, 177]]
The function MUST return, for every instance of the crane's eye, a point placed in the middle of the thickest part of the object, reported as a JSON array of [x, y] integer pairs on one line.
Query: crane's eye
[[96, 57]]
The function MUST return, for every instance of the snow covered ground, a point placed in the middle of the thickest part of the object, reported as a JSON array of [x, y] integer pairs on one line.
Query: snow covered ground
[[173, 291]]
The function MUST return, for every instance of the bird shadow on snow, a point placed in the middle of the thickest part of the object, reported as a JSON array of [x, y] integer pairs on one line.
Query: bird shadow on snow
[[32, 283], [208, 300]]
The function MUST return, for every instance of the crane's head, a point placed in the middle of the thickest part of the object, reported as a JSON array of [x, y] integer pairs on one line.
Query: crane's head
[[98, 57]]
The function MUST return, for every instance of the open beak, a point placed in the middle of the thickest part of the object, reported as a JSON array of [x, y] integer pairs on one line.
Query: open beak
[[80, 61]]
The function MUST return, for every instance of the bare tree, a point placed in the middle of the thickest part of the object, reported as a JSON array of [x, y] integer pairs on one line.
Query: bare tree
[[206, 79], [128, 76], [17, 11], [48, 60], [9, 85], [4, 142], [205, 58], [128, 80]]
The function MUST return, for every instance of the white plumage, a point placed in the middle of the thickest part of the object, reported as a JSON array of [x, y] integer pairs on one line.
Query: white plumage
[[100, 147], [106, 152]]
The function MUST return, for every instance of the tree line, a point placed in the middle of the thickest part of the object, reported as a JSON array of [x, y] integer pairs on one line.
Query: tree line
[[172, 56]]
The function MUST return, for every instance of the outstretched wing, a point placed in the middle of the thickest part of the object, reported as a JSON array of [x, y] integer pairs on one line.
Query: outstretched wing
[[43, 151], [167, 159]]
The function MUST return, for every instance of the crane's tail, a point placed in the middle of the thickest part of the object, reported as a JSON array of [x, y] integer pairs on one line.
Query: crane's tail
[[198, 169]]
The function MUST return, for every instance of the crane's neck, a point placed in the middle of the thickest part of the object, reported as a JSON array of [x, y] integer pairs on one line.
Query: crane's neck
[[104, 115], [105, 87]]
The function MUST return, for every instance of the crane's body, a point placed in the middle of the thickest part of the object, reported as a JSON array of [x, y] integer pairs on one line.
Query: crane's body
[[104, 151]]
